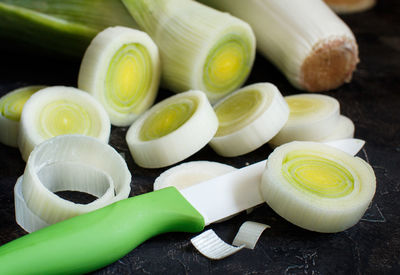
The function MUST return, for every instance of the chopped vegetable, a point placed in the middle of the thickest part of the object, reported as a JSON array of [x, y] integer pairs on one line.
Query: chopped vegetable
[[201, 48], [310, 44], [249, 118], [313, 117], [317, 187], [58, 111], [60, 26], [11, 105], [121, 68], [172, 130], [350, 6], [68, 162]]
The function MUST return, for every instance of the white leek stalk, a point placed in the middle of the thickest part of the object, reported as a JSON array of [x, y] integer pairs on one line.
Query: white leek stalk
[[190, 173], [249, 118], [172, 130], [11, 105], [313, 117], [310, 44], [69, 162], [317, 187], [121, 68], [201, 48], [58, 111], [350, 6]]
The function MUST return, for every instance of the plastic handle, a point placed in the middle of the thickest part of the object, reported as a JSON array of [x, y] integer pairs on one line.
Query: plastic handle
[[96, 239]]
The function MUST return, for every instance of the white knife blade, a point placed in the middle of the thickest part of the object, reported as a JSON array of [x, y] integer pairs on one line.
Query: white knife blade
[[236, 191]]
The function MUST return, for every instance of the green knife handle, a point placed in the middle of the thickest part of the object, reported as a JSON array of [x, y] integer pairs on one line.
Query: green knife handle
[[98, 238]]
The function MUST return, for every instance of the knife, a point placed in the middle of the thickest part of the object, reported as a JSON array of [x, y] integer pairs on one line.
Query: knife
[[96, 239]]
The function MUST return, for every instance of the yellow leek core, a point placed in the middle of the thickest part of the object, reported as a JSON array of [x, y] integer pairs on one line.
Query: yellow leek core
[[64, 117], [128, 78], [317, 175], [168, 119], [228, 64], [303, 106], [235, 112], [11, 104]]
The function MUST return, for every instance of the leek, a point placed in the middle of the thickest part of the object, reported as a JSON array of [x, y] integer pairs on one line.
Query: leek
[[172, 130], [58, 111], [310, 44], [350, 6], [249, 118], [60, 26], [11, 105], [317, 187], [201, 48], [69, 162], [121, 68]]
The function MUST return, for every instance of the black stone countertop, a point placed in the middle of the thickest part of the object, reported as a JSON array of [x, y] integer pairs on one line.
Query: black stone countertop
[[371, 100]]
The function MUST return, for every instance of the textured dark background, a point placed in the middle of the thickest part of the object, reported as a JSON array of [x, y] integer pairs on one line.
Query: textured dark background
[[371, 100]]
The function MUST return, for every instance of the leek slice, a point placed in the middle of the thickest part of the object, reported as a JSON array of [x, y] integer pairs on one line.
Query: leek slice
[[72, 162], [61, 110], [190, 173], [121, 68], [308, 42], [201, 48], [60, 26], [172, 130], [11, 105], [249, 118], [317, 187], [312, 118]]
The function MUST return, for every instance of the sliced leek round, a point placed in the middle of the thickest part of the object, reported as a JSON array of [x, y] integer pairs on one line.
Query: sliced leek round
[[58, 111], [317, 187], [249, 118], [11, 105], [70, 162], [121, 68], [344, 129], [312, 118], [172, 130], [190, 173], [201, 48]]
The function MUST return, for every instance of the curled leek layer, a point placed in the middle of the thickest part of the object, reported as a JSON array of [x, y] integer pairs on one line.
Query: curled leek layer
[[172, 130], [313, 117], [68, 162], [201, 48], [190, 173], [317, 187], [249, 118], [350, 6], [11, 106], [58, 111], [121, 68], [344, 129]]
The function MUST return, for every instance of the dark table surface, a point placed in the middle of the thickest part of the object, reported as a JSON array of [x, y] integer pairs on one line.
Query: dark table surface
[[371, 100]]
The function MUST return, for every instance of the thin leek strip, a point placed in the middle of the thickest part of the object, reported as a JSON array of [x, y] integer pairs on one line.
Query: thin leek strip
[[344, 129], [249, 118], [309, 43], [317, 187], [312, 118], [190, 173], [11, 105], [121, 68], [212, 247], [350, 6], [172, 130], [201, 48], [60, 26], [58, 111], [73, 162]]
